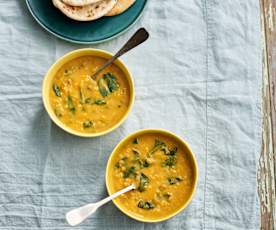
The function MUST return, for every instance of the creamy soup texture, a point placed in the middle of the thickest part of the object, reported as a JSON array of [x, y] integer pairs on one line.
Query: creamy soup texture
[[162, 170], [84, 104]]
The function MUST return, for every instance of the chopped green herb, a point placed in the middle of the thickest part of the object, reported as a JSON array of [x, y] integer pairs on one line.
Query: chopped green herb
[[158, 145], [107, 84], [170, 161], [145, 204], [82, 97], [103, 88], [172, 151], [158, 142], [70, 104], [135, 141], [144, 182], [174, 180], [144, 163], [111, 82], [136, 155], [119, 164], [57, 90], [171, 157], [100, 102], [89, 101], [130, 172], [87, 124]]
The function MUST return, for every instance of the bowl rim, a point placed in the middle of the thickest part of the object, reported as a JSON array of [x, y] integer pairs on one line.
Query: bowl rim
[[164, 132], [76, 41], [85, 52]]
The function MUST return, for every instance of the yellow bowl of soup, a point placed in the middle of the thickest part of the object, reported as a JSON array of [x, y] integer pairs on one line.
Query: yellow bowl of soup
[[163, 168], [83, 106]]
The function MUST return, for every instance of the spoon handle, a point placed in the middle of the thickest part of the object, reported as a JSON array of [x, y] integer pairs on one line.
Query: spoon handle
[[78, 215], [113, 196], [139, 37]]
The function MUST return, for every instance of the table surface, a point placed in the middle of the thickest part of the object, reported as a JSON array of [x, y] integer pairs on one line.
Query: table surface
[[267, 164], [209, 57]]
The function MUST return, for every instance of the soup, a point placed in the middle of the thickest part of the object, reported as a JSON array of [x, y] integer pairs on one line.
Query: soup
[[84, 104], [163, 171]]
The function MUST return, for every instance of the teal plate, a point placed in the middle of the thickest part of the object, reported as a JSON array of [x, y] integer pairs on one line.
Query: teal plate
[[92, 32]]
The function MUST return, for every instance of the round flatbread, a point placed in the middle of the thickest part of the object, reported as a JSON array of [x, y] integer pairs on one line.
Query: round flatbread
[[85, 13], [120, 7], [80, 2]]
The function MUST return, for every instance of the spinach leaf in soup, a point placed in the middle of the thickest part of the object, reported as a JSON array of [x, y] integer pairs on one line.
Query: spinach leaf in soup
[[174, 180], [111, 82], [103, 88], [130, 172], [107, 84], [171, 157], [70, 104], [170, 161], [100, 102], [144, 182], [89, 101], [56, 90], [158, 145], [144, 163], [82, 97], [87, 124], [122, 162], [172, 151], [145, 204], [136, 155]]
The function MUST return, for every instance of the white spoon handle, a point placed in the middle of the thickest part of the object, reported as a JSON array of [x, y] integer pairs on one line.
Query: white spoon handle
[[78, 215], [113, 196]]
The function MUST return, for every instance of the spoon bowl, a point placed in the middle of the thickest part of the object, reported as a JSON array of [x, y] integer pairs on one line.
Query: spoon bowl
[[137, 38]]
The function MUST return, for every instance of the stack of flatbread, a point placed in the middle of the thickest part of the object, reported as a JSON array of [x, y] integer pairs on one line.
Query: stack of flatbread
[[88, 10]]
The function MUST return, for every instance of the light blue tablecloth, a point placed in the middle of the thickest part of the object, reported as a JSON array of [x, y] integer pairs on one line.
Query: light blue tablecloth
[[199, 76]]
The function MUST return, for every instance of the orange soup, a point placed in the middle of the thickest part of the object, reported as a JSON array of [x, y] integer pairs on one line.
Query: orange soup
[[163, 171], [84, 104]]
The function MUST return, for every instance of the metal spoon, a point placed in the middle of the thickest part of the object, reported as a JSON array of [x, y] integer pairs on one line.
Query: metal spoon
[[78, 215], [139, 37]]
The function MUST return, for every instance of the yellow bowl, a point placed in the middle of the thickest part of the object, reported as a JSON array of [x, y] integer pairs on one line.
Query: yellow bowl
[[47, 83], [110, 162]]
